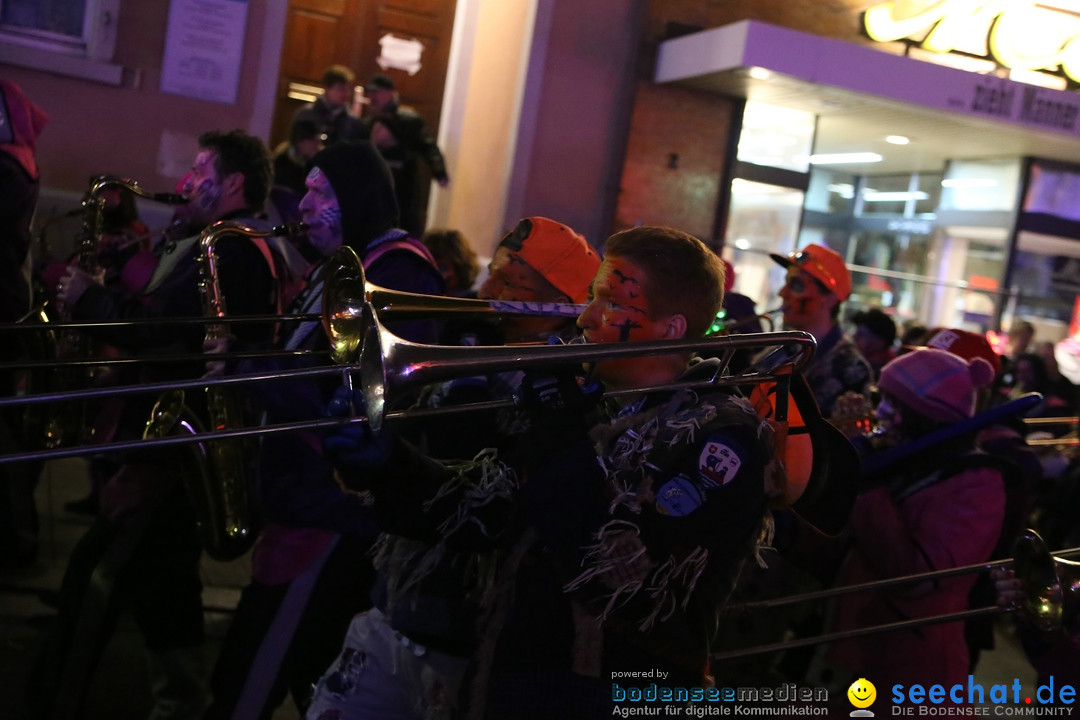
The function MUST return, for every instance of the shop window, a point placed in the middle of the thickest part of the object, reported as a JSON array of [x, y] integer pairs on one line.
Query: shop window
[[899, 195], [763, 219], [69, 37], [831, 192], [778, 137], [980, 185], [1053, 190]]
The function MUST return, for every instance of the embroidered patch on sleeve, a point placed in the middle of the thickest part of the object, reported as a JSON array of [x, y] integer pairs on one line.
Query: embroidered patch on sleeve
[[678, 497], [719, 462]]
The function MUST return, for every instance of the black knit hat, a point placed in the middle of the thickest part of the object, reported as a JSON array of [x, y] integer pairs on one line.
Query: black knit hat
[[364, 188], [878, 323], [381, 82]]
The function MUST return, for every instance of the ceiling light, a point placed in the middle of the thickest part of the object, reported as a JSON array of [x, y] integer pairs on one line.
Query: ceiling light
[[759, 73], [1034, 77], [897, 140], [845, 158], [742, 243], [882, 196], [969, 182]]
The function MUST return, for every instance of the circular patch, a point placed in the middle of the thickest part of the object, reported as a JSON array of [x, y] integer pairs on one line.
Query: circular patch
[[678, 497]]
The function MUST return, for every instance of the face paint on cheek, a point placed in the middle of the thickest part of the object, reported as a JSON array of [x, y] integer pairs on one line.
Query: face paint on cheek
[[207, 194], [625, 328], [330, 217]]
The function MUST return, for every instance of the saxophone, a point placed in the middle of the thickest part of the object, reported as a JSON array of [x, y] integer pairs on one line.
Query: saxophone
[[68, 423], [219, 475]]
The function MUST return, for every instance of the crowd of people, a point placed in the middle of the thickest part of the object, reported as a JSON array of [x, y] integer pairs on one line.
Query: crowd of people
[[523, 562]]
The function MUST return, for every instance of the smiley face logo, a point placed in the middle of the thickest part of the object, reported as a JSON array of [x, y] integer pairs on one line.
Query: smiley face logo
[[862, 693]]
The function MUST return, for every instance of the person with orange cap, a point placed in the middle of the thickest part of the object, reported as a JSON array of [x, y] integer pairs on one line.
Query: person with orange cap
[[817, 283]]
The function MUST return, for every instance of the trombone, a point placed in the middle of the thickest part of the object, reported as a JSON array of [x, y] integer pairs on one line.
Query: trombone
[[1050, 584], [388, 364]]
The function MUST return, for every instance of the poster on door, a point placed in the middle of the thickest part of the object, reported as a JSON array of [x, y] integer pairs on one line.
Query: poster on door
[[204, 45]]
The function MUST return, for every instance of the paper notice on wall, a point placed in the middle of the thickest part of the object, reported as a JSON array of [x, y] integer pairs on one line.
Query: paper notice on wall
[[204, 45]]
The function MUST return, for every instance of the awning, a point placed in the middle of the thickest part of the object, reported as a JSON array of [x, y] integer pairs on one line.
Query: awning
[[861, 94]]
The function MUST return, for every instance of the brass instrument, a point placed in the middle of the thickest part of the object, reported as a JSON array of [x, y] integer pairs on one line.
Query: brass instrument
[[389, 363], [346, 290], [67, 423], [220, 477], [793, 351], [1050, 584]]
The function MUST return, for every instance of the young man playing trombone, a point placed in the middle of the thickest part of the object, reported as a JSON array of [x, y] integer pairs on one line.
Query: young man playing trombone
[[602, 542]]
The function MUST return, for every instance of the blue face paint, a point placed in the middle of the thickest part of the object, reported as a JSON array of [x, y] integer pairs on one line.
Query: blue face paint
[[331, 218]]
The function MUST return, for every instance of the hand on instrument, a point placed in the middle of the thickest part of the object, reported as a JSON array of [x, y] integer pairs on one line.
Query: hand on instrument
[[354, 445], [559, 393], [852, 414], [71, 287], [1009, 588], [216, 346]]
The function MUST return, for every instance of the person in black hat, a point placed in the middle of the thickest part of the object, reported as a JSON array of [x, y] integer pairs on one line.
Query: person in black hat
[[405, 142], [310, 567], [875, 337], [292, 159], [330, 111]]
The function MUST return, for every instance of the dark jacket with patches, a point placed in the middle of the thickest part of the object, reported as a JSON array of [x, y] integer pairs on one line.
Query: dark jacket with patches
[[686, 514]]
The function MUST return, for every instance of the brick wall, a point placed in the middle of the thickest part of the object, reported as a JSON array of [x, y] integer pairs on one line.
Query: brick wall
[[673, 168]]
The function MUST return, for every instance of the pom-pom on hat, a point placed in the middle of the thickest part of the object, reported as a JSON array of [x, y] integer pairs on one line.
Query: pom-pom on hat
[[558, 253], [936, 383]]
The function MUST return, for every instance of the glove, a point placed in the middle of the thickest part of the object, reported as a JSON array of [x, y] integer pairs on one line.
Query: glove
[[545, 393], [354, 446], [557, 406]]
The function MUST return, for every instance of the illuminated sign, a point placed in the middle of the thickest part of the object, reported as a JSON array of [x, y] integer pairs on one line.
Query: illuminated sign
[[1017, 34]]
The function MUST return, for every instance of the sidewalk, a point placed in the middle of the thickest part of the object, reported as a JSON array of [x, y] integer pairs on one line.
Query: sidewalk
[[120, 690]]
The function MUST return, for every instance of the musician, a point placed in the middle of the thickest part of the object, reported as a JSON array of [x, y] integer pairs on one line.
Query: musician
[[542, 261], [817, 284], [311, 570], [942, 509], [143, 550], [21, 123], [611, 552]]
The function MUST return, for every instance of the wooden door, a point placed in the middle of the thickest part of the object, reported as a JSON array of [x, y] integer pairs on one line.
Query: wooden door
[[320, 33]]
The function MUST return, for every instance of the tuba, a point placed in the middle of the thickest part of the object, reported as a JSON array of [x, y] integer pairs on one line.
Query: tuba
[[219, 475], [65, 424]]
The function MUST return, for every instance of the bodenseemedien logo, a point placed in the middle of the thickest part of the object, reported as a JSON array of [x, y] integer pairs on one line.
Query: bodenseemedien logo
[[862, 694]]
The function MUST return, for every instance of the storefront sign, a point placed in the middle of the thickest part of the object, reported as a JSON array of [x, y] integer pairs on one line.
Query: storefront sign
[[1017, 34], [999, 99]]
